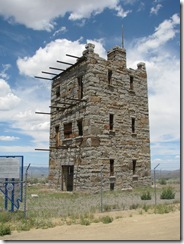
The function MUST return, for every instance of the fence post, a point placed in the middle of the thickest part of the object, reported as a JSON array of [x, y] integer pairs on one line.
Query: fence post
[[25, 191], [155, 184], [101, 190]]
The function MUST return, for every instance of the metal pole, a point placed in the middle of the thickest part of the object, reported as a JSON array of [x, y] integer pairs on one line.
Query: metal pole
[[12, 196], [6, 195], [101, 188], [25, 191], [155, 184]]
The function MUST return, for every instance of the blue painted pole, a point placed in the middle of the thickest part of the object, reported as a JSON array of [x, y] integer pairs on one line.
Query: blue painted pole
[[12, 196], [6, 196]]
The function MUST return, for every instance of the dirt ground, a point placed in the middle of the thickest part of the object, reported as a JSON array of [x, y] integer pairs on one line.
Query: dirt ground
[[132, 226]]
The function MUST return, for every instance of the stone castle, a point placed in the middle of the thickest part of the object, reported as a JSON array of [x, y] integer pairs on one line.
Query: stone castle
[[99, 124]]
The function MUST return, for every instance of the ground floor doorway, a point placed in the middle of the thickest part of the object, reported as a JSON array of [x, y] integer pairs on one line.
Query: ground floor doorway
[[67, 177]]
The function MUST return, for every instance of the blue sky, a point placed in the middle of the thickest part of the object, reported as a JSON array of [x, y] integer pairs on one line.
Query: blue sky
[[34, 34]]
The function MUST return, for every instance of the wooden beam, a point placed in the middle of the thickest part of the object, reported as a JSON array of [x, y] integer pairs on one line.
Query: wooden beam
[[56, 68], [39, 77], [55, 107], [49, 73], [42, 113], [64, 62], [72, 56], [42, 149]]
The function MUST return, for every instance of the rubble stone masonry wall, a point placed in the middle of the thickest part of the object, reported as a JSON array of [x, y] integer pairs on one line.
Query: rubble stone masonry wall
[[102, 122]]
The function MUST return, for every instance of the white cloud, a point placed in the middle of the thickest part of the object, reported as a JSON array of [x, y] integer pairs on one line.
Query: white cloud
[[53, 51], [3, 73], [163, 69], [9, 138], [154, 10], [8, 100], [22, 118], [121, 12], [163, 33], [16, 149], [62, 29], [40, 14]]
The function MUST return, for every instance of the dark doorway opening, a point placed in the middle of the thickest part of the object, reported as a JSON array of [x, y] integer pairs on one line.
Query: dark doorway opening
[[67, 177]]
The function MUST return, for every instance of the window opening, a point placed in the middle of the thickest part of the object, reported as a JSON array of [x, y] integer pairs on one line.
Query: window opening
[[57, 136], [134, 165], [133, 125], [131, 82], [80, 127], [68, 130], [111, 121], [58, 91], [111, 167], [80, 87], [109, 77]]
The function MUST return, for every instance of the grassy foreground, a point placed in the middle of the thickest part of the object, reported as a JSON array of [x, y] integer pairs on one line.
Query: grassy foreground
[[51, 207]]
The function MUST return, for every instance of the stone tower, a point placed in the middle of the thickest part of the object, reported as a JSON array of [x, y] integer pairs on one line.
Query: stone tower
[[100, 121]]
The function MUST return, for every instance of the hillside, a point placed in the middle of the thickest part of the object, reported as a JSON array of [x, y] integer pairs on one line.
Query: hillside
[[44, 171]]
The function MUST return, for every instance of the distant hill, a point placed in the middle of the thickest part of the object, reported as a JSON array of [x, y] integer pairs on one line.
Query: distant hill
[[167, 174], [38, 172]]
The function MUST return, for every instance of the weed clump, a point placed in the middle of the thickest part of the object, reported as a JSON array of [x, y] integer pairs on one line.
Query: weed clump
[[5, 217], [146, 207], [84, 221], [4, 230], [134, 206], [167, 193], [106, 219], [162, 181], [146, 196], [163, 208]]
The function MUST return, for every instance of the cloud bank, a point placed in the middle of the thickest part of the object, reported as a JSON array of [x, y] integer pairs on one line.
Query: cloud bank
[[40, 14]]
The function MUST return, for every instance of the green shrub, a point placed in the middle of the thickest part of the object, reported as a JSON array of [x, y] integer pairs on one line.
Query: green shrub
[[107, 207], [146, 196], [162, 181], [167, 193], [106, 219], [5, 217], [163, 208], [4, 230], [85, 222], [134, 206], [146, 207], [24, 227]]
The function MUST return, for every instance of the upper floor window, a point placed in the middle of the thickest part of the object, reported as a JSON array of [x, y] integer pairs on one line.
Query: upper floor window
[[109, 77], [111, 121], [68, 130], [131, 82], [111, 167], [80, 127], [80, 87], [58, 91], [133, 125], [134, 166], [57, 136]]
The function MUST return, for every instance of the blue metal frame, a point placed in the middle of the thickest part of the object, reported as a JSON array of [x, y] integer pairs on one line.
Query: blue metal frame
[[14, 202]]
